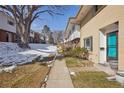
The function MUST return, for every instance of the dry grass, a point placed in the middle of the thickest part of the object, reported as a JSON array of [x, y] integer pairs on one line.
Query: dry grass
[[93, 80], [77, 65], [87, 76], [72, 62], [75, 62], [29, 75]]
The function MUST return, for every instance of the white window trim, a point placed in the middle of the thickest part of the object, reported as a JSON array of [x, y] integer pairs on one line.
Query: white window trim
[[90, 47]]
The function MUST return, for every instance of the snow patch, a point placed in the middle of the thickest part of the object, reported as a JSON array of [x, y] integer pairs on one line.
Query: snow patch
[[11, 54]]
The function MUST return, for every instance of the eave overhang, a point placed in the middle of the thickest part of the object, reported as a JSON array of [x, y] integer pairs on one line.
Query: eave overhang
[[82, 13]]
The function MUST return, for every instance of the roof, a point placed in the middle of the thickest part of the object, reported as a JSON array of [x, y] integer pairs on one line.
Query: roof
[[71, 20], [73, 17], [84, 9], [82, 13]]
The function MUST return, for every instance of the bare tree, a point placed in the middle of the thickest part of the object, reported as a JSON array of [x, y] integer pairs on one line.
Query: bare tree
[[59, 37], [51, 40], [24, 15], [45, 32]]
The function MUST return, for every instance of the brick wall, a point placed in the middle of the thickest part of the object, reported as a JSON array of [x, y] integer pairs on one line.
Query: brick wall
[[37, 38], [4, 36]]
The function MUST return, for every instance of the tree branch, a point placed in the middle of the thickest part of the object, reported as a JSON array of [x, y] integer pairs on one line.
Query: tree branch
[[47, 11]]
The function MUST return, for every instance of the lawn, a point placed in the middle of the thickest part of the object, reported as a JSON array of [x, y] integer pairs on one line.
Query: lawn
[[75, 62], [87, 76], [93, 80], [72, 62], [25, 76]]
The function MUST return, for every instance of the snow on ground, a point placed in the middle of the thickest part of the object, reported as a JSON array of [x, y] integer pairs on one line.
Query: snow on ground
[[11, 54]]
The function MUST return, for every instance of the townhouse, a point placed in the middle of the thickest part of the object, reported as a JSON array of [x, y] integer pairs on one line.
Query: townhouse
[[102, 33], [72, 34], [7, 28], [35, 37]]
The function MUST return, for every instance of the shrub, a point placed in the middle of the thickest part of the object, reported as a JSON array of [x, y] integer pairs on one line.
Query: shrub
[[76, 52]]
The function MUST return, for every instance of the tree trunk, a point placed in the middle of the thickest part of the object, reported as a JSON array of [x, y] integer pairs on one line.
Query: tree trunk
[[22, 35]]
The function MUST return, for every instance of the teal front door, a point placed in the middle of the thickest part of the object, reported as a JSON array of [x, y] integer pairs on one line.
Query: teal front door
[[112, 46]]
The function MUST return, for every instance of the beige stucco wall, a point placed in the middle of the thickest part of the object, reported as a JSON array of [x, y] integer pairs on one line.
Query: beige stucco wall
[[108, 15], [88, 17]]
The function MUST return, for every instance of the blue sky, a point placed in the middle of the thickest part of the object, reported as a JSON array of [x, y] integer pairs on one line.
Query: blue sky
[[58, 22]]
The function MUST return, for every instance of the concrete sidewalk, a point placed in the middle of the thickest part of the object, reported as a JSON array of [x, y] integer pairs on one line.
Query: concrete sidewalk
[[59, 76]]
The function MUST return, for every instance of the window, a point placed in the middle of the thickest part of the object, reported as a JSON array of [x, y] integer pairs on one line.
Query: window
[[88, 43], [10, 23]]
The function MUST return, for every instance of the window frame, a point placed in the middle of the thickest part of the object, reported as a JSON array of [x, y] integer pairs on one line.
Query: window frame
[[10, 22], [89, 48]]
